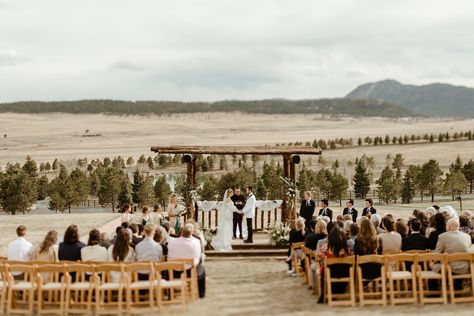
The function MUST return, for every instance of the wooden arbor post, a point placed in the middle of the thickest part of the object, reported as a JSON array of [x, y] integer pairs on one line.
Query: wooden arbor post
[[289, 205], [191, 171]]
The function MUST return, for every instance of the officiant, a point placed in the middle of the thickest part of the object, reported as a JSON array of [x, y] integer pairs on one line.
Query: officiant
[[239, 202]]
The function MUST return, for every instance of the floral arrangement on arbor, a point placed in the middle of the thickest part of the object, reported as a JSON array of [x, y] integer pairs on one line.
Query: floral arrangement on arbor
[[291, 193], [279, 233]]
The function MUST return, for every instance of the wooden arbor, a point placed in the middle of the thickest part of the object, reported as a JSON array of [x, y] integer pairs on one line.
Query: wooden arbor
[[291, 157]]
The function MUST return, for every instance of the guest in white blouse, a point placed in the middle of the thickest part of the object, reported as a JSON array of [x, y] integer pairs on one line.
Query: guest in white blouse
[[126, 216], [94, 251]]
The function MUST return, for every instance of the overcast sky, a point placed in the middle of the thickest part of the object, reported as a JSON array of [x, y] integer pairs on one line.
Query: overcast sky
[[213, 50]]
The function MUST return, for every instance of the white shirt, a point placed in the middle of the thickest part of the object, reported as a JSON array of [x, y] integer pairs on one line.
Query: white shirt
[[94, 253], [249, 208], [184, 248], [126, 218], [20, 249], [148, 250]]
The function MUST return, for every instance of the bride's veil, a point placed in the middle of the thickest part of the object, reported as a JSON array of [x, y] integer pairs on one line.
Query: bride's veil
[[225, 195]]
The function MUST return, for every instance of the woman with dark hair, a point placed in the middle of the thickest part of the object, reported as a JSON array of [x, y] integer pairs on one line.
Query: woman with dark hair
[[70, 248], [424, 223], [366, 243], [389, 241], [439, 225], [48, 250], [401, 227], [121, 250], [94, 251]]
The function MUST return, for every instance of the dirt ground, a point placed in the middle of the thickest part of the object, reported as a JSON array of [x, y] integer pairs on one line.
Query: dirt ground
[[240, 287]]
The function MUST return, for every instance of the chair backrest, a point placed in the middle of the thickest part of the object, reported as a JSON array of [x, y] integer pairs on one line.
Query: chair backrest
[[132, 270], [25, 268], [425, 260], [297, 245], [107, 270], [370, 259], [82, 271], [50, 272], [169, 268], [339, 260], [402, 261], [459, 256]]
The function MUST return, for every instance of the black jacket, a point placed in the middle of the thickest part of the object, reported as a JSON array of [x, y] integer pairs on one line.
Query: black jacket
[[238, 198], [415, 241], [328, 213], [306, 211], [70, 251], [353, 213], [368, 210]]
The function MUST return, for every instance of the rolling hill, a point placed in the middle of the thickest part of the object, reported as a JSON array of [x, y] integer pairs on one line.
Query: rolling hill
[[435, 99]]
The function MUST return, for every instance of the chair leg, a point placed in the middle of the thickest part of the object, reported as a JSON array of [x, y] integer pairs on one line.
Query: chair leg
[[421, 289], [392, 294]]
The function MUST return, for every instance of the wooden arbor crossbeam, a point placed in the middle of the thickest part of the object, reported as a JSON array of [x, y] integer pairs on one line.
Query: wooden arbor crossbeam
[[291, 157]]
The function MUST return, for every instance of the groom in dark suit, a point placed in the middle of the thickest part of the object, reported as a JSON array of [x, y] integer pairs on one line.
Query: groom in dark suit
[[350, 210], [239, 202], [307, 209]]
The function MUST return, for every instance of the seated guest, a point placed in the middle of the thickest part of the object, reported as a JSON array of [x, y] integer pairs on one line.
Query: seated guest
[[453, 241], [389, 241], [121, 249], [350, 210], [415, 240], [70, 248], [366, 243], [94, 251], [320, 232], [297, 235], [353, 232], [118, 229], [401, 227], [376, 219], [48, 250], [368, 209], [421, 216], [136, 238], [148, 249], [20, 249], [465, 224], [188, 247], [161, 238], [199, 235], [126, 217], [104, 240], [438, 222]]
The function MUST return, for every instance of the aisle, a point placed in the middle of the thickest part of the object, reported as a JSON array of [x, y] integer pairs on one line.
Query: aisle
[[262, 287]]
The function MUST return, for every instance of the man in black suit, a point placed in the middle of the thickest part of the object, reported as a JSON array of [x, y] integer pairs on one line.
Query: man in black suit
[[325, 211], [350, 210], [239, 202], [415, 240], [369, 209], [307, 208]]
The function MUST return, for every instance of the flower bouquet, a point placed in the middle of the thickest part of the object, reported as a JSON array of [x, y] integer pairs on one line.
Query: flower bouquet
[[279, 234]]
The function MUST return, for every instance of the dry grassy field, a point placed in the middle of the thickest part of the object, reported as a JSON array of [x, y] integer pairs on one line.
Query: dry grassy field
[[49, 136]]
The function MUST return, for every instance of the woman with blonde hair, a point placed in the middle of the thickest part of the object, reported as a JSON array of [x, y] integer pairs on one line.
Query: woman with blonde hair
[[173, 213], [48, 250], [297, 235]]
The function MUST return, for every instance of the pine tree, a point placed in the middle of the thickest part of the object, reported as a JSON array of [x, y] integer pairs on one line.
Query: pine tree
[[137, 183], [17, 193], [260, 190], [397, 163], [162, 190], [361, 180], [408, 188], [81, 188], [304, 181], [208, 191], [146, 194], [61, 191], [150, 163], [468, 171], [125, 193], [55, 164], [387, 186], [141, 160], [110, 186], [43, 187], [455, 183], [430, 177], [339, 186], [130, 161]]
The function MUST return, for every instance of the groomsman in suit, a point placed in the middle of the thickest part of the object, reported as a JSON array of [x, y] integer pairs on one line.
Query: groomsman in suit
[[325, 211], [369, 209], [239, 202], [307, 208], [249, 211], [350, 210]]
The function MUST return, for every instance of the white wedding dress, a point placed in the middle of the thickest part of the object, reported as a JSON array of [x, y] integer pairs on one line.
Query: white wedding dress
[[223, 239]]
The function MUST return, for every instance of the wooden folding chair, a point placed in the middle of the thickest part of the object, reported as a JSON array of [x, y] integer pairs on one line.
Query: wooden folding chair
[[174, 287], [22, 290], [425, 274], [81, 289], [109, 288], [308, 260], [296, 257], [402, 281], [372, 291], [3, 287], [191, 278], [51, 289], [467, 293], [139, 291], [339, 299], [315, 273]]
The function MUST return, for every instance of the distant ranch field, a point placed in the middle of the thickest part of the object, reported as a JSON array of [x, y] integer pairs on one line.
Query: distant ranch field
[[49, 136]]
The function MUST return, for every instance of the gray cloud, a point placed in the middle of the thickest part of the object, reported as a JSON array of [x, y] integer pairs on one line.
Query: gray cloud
[[208, 50]]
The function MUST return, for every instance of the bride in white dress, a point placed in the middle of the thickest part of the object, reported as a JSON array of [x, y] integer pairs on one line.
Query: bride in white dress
[[223, 239]]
